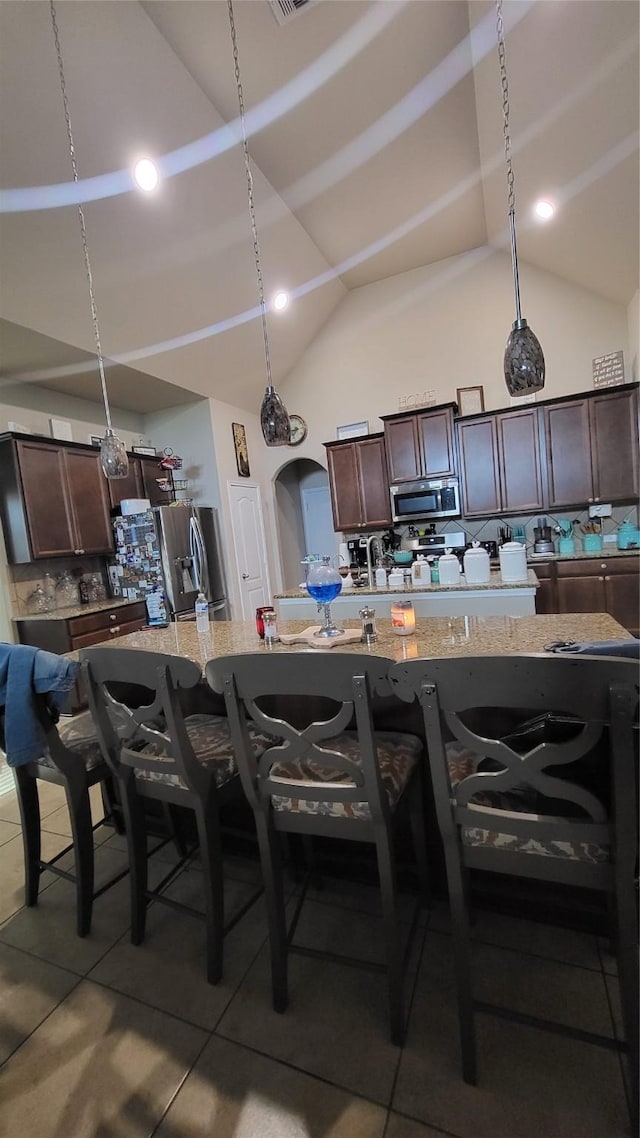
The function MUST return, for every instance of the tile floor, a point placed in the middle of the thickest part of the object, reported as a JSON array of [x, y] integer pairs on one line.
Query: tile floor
[[99, 1039]]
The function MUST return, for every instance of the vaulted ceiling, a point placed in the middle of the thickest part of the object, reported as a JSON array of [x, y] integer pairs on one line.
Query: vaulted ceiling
[[376, 140]]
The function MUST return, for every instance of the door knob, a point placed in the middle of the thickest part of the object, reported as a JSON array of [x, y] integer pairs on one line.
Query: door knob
[[245, 576]]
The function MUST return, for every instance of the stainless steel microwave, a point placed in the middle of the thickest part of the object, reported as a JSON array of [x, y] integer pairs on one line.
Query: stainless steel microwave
[[412, 501]]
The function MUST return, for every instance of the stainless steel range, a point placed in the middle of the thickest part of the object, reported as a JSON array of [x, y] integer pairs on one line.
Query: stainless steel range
[[434, 544]]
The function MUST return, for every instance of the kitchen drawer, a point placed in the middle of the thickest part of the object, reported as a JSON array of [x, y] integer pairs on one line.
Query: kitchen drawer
[[96, 621], [100, 635], [597, 565]]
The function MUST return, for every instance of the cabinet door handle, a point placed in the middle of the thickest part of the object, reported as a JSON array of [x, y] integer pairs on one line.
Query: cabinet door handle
[[112, 615], [596, 499], [589, 499], [599, 578], [607, 578], [116, 627], [603, 565]]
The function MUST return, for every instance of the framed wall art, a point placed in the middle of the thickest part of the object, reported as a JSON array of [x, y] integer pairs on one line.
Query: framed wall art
[[352, 430], [242, 454], [470, 400]]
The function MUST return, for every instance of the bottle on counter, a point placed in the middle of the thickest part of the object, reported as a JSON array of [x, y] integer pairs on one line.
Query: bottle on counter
[[83, 590], [49, 590], [420, 575], [381, 577], [396, 579], [367, 616], [269, 620], [202, 613]]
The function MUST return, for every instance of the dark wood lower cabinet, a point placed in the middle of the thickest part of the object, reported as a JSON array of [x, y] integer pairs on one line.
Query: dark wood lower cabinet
[[609, 585], [62, 636], [546, 591]]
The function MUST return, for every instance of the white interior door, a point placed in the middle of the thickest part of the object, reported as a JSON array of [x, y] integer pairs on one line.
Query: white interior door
[[317, 521], [247, 527]]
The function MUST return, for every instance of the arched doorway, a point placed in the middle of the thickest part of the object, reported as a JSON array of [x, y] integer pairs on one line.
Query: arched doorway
[[303, 516]]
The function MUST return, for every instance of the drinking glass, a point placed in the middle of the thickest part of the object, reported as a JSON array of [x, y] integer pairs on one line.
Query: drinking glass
[[323, 584]]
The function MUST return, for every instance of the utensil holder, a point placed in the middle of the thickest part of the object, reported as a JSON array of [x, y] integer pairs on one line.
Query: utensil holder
[[567, 545], [592, 543]]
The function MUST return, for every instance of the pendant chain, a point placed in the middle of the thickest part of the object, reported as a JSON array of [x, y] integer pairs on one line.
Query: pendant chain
[[505, 107], [252, 212], [83, 228]]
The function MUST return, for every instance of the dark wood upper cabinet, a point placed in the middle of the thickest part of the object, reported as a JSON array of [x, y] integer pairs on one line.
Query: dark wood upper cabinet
[[53, 501], [359, 484], [592, 449], [150, 472], [614, 445], [501, 463], [568, 446], [420, 446], [129, 487], [88, 501], [43, 502], [480, 468], [520, 460]]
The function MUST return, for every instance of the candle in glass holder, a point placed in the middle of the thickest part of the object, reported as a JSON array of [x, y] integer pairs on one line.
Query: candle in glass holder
[[403, 618]]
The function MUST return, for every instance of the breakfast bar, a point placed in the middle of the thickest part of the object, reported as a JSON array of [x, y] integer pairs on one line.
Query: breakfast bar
[[434, 637]]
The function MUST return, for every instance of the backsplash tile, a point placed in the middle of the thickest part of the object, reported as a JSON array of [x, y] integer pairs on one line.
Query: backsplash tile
[[23, 579]]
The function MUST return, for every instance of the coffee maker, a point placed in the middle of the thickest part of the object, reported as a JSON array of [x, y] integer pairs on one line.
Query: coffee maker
[[357, 547]]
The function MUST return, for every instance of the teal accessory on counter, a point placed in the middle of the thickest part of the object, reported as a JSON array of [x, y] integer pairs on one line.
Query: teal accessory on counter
[[628, 536], [519, 535], [435, 574], [567, 546], [592, 543]]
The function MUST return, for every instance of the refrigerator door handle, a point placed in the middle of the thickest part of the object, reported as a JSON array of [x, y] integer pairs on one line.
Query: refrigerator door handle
[[196, 540]]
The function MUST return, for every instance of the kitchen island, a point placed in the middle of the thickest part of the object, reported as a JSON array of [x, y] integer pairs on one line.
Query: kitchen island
[[497, 598], [434, 637]]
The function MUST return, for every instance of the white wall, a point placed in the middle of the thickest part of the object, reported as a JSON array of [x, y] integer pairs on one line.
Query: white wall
[[633, 321], [187, 431], [32, 406], [438, 328]]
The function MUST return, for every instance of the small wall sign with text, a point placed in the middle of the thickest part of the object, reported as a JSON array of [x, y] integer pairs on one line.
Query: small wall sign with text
[[418, 399], [151, 451], [608, 370]]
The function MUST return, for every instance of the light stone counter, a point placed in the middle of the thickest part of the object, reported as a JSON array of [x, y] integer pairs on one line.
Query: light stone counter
[[607, 552], [76, 610], [434, 637], [496, 598]]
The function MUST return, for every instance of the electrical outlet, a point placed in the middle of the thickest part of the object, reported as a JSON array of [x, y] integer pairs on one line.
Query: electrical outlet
[[601, 510]]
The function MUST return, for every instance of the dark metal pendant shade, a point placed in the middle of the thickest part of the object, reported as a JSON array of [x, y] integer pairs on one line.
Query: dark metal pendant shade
[[274, 420], [523, 360]]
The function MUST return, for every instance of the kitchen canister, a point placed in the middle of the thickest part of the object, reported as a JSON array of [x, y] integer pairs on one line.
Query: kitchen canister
[[420, 574], [396, 579], [627, 536], [513, 562], [566, 546], [592, 543], [477, 570], [449, 569]]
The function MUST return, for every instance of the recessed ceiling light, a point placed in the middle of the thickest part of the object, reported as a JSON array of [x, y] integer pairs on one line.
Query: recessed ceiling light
[[280, 301], [544, 210], [146, 174]]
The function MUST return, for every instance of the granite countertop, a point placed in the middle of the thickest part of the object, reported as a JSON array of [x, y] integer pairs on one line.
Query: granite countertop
[[76, 610], [495, 582], [608, 551], [434, 637]]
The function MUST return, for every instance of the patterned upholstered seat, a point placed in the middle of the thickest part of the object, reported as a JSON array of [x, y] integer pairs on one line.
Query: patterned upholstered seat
[[79, 736], [497, 807], [397, 756], [209, 737]]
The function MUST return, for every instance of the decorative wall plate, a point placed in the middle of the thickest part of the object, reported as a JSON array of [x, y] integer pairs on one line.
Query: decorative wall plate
[[298, 430]]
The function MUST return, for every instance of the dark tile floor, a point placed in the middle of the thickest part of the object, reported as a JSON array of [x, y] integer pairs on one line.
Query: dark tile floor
[[99, 1039]]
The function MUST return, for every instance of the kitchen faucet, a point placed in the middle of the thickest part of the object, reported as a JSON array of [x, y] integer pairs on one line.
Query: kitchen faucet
[[372, 542]]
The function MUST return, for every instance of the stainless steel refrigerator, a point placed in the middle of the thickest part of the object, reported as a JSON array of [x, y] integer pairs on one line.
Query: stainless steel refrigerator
[[175, 549]]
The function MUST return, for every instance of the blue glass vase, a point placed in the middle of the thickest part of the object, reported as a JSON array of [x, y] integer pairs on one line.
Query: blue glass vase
[[324, 583]]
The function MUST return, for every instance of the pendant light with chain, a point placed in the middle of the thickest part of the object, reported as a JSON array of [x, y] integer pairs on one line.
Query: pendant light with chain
[[274, 419], [113, 454], [523, 357]]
